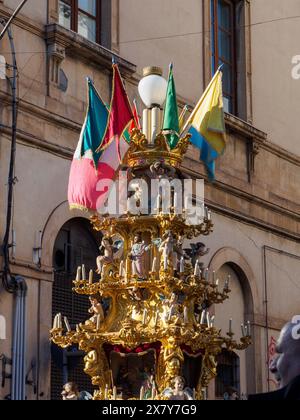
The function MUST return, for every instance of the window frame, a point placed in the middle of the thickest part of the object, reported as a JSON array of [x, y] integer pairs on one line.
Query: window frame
[[215, 57], [74, 18]]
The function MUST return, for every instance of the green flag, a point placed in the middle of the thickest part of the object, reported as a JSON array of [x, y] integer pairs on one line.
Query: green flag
[[94, 124], [171, 119]]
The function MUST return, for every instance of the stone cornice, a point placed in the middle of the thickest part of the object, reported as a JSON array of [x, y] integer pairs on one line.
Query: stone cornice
[[79, 47], [243, 128]]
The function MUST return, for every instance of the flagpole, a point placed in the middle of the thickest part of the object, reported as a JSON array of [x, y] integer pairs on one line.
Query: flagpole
[[188, 123]]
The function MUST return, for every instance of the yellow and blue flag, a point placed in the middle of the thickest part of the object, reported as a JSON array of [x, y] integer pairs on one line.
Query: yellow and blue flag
[[207, 126]]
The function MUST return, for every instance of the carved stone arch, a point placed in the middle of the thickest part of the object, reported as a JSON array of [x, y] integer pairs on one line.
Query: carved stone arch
[[233, 258], [59, 216], [240, 265]]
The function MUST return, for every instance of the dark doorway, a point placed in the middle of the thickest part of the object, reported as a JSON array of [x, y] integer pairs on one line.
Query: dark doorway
[[76, 244]]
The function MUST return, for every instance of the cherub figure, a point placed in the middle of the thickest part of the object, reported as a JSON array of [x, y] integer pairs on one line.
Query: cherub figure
[[96, 309], [108, 248], [177, 391], [171, 309], [136, 255], [160, 170], [70, 391], [196, 252], [167, 248]]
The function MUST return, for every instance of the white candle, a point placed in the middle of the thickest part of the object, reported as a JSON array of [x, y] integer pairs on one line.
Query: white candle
[[182, 265], [145, 316], [153, 392], [203, 315], [55, 322], [175, 203], [209, 215], [154, 264], [230, 326], [98, 322], [208, 319], [185, 315], [206, 275], [121, 269], [186, 203], [106, 392], [78, 275], [83, 272], [158, 202], [67, 324], [59, 321], [243, 330], [91, 277], [114, 393], [197, 270], [249, 328], [212, 321], [217, 283], [214, 277]]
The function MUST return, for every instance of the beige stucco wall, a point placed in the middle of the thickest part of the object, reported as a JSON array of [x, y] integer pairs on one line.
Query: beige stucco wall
[[36, 10], [150, 34], [276, 94]]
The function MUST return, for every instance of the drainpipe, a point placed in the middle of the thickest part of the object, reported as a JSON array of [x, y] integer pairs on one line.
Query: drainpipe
[[266, 313], [18, 381]]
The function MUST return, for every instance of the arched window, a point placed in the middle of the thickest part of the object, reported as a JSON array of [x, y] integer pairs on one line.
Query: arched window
[[233, 370], [228, 373], [76, 244]]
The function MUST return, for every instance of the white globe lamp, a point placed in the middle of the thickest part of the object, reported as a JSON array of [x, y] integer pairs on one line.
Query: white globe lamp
[[153, 87]]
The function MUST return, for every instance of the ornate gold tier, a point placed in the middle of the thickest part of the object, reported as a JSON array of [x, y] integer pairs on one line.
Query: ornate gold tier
[[158, 293], [144, 153]]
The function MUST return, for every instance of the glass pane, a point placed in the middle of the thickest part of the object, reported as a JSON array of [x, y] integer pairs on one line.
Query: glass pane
[[227, 104], [227, 78], [224, 43], [65, 12], [212, 11], [86, 27], [88, 6], [224, 12]]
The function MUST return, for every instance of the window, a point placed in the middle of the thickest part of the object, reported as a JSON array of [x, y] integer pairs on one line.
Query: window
[[82, 16], [223, 37], [228, 373]]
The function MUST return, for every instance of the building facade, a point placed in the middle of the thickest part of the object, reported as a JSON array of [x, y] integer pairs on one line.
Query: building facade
[[255, 199]]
